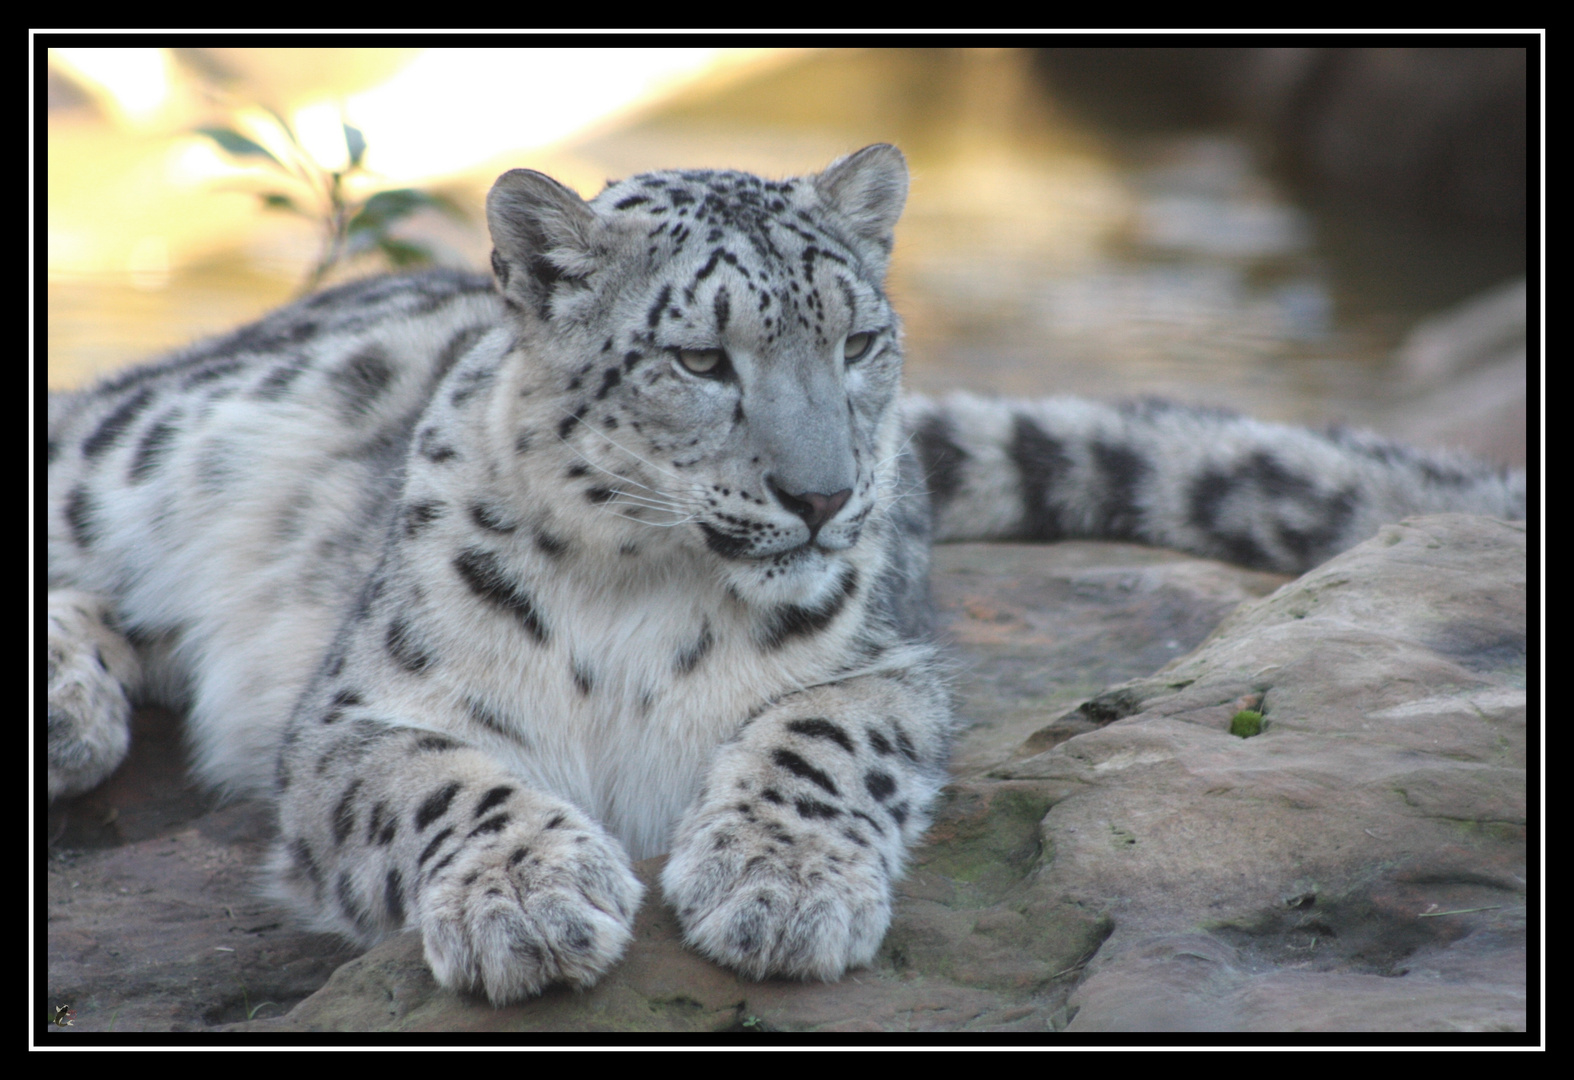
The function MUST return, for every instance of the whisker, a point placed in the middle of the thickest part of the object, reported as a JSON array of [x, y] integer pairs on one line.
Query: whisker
[[609, 509], [620, 446]]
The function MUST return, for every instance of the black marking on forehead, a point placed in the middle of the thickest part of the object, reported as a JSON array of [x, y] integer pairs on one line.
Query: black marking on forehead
[[848, 297], [716, 256], [654, 315]]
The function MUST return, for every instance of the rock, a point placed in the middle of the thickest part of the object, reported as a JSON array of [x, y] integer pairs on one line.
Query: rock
[[168, 933], [1467, 371], [1358, 865], [1481, 412], [1484, 329], [1124, 864]]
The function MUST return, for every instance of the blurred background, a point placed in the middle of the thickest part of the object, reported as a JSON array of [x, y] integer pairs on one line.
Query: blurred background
[[1305, 234]]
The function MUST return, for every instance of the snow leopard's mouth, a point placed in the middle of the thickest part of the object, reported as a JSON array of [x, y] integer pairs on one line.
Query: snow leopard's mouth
[[745, 549], [742, 550]]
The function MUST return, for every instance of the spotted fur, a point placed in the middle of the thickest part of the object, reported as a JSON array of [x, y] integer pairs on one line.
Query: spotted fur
[[495, 584]]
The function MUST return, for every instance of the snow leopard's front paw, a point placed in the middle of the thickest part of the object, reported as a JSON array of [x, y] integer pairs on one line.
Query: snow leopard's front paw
[[770, 894], [550, 901], [90, 666]]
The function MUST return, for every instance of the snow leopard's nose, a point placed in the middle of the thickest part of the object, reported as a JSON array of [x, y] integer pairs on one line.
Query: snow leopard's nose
[[815, 509]]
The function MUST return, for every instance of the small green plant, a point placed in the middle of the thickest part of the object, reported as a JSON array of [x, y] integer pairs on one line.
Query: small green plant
[[251, 1010], [1246, 723], [350, 226]]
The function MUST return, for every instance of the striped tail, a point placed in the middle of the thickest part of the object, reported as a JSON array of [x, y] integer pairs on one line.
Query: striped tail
[[1199, 480]]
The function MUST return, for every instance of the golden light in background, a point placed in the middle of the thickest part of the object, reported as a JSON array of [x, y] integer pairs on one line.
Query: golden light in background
[[454, 109], [143, 194], [133, 83]]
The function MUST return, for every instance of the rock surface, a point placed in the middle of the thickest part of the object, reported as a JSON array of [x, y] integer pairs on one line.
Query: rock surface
[[1124, 864]]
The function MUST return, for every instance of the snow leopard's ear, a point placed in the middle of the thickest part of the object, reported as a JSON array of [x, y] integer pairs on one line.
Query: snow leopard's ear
[[868, 189], [542, 236]]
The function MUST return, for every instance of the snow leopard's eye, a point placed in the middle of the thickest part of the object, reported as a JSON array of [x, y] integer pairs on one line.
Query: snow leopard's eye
[[710, 362], [856, 346]]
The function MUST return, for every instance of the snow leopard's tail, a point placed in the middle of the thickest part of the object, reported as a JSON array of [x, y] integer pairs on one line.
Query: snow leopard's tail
[[1198, 480]]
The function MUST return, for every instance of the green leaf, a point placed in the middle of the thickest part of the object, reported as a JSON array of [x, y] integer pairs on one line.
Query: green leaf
[[387, 207], [404, 253], [439, 201], [274, 200], [356, 142], [235, 143]]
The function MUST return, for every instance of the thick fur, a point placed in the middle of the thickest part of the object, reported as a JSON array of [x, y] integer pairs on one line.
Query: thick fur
[[495, 584]]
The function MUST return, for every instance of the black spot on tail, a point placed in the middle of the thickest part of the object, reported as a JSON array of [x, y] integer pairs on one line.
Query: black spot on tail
[[1040, 462], [943, 460], [1121, 472]]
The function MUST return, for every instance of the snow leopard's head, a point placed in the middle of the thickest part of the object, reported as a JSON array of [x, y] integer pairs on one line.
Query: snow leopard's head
[[723, 362]]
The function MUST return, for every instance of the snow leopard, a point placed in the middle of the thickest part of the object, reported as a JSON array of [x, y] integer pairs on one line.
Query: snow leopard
[[496, 584]]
